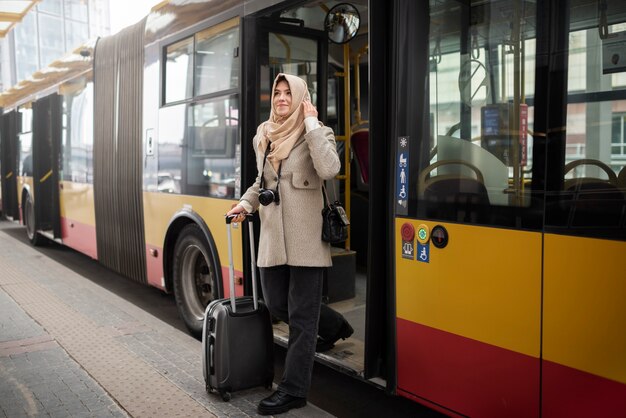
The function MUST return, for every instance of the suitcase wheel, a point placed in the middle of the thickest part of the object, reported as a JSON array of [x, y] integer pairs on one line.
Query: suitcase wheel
[[226, 396]]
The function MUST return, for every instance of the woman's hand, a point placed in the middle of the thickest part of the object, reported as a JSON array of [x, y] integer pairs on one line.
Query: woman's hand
[[309, 109], [238, 213]]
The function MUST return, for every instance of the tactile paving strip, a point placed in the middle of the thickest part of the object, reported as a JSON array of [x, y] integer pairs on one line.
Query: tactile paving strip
[[138, 388]]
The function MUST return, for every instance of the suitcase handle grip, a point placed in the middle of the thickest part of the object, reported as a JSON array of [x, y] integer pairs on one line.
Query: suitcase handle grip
[[229, 218]]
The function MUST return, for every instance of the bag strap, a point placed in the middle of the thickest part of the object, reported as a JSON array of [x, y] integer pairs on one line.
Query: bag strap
[[327, 201]]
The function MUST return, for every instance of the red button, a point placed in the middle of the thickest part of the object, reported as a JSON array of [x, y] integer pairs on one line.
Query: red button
[[407, 231]]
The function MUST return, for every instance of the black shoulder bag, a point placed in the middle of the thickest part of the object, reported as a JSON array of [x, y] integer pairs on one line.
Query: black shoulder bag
[[335, 225]]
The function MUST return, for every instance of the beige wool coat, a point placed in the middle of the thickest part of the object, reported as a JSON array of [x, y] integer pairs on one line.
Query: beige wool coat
[[291, 232]]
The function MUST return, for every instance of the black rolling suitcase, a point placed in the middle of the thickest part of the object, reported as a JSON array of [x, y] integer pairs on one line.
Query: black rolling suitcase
[[237, 337]]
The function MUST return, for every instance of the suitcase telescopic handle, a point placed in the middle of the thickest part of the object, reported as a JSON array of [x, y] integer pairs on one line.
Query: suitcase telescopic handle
[[231, 265]]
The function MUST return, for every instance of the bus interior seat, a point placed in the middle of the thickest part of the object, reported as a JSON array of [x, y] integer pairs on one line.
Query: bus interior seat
[[359, 141], [593, 201], [495, 172], [466, 195]]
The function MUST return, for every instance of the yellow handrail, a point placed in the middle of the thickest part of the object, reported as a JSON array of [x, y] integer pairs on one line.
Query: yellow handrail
[[347, 132]]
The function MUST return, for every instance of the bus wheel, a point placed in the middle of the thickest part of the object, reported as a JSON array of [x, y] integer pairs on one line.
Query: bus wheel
[[195, 278], [28, 215]]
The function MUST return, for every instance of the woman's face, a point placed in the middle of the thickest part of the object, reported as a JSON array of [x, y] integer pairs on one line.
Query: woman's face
[[282, 98]]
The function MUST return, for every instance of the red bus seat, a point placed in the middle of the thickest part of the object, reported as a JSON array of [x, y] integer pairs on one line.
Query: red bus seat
[[359, 141]]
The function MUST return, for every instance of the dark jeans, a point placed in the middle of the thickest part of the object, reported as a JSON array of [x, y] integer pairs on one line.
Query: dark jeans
[[294, 295]]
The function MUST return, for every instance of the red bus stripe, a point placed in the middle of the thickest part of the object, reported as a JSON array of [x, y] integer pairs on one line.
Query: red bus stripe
[[572, 393], [79, 236], [465, 375]]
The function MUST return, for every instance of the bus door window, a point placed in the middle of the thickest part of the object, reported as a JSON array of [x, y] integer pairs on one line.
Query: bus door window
[[475, 159], [587, 198], [292, 55]]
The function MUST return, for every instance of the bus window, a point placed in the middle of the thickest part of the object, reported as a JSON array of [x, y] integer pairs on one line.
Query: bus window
[[213, 134], [25, 136], [199, 135], [587, 198], [178, 68], [77, 132], [217, 58], [471, 160]]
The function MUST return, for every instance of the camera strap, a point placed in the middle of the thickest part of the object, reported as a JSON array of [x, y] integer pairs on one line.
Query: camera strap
[[280, 167]]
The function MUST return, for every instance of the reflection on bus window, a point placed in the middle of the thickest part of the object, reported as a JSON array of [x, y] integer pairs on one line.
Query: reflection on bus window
[[178, 71], [25, 135]]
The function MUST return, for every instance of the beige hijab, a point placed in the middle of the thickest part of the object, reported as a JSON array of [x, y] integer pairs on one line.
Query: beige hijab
[[281, 133]]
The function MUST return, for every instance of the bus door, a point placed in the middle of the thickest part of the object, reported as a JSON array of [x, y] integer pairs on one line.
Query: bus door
[[274, 45], [584, 287], [468, 240], [10, 207], [46, 155], [293, 40]]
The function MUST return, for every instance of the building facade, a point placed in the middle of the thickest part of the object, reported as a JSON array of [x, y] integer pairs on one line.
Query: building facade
[[47, 32]]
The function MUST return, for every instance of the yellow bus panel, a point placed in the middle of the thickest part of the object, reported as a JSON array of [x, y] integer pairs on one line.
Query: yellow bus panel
[[484, 285], [585, 305]]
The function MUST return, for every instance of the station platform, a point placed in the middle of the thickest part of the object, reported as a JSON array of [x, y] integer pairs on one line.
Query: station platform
[[69, 347]]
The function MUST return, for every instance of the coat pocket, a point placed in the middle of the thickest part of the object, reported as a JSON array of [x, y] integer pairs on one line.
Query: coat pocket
[[305, 181]]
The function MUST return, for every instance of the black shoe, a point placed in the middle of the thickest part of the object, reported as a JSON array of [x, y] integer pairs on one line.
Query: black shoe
[[326, 344], [323, 345], [279, 402]]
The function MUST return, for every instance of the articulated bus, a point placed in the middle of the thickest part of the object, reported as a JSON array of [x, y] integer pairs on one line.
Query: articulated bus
[[484, 151]]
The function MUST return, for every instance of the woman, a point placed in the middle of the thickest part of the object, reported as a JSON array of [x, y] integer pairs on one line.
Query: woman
[[294, 154]]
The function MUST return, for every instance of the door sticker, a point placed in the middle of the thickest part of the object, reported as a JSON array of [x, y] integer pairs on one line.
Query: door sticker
[[423, 253], [402, 175], [408, 247], [408, 250]]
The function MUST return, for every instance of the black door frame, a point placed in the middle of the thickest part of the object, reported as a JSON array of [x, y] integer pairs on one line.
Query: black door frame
[[46, 155]]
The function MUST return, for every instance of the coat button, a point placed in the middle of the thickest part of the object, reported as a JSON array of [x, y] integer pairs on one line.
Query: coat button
[[306, 182]]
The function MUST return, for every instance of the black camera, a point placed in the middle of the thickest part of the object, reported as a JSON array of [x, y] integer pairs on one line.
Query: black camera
[[267, 196]]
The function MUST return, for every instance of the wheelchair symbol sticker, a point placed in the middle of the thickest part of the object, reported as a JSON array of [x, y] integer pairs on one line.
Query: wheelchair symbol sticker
[[423, 253]]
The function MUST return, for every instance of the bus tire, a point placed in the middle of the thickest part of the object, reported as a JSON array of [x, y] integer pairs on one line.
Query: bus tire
[[195, 278], [28, 215]]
